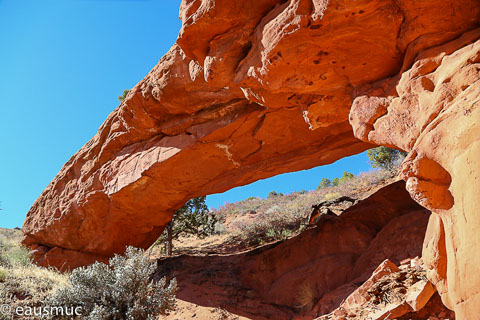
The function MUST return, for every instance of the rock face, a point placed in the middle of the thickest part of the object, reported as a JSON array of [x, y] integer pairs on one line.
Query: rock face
[[255, 88], [435, 117], [393, 293], [309, 274]]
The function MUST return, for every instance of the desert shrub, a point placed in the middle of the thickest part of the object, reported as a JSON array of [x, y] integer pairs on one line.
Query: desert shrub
[[278, 233], [219, 228], [331, 196], [12, 253], [123, 96], [274, 194], [275, 223], [18, 256], [276, 216], [3, 274], [121, 290]]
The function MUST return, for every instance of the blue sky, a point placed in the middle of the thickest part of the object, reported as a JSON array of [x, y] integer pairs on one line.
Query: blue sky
[[62, 65]]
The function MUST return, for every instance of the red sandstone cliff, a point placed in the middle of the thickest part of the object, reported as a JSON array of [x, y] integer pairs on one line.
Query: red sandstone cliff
[[435, 116], [255, 88]]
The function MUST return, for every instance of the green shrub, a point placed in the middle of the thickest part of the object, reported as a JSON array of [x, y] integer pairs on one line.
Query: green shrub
[[3, 274], [278, 233], [13, 254], [331, 196], [19, 256], [123, 96], [272, 194], [122, 290]]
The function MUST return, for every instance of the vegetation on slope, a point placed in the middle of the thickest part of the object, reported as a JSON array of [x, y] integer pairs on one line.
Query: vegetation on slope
[[21, 282], [256, 220], [122, 290]]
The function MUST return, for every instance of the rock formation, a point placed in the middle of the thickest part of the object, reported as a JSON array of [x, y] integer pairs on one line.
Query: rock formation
[[435, 116], [393, 293], [312, 273], [255, 88]]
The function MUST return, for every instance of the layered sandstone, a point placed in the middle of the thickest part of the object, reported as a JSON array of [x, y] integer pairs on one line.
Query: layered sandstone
[[255, 88], [434, 114]]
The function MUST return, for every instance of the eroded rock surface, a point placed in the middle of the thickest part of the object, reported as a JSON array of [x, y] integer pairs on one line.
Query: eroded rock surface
[[251, 89], [435, 115], [392, 292], [310, 274]]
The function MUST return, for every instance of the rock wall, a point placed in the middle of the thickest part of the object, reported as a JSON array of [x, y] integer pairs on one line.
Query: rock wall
[[309, 274], [435, 116], [255, 88]]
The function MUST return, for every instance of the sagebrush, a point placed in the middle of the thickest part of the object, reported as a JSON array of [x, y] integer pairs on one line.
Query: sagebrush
[[121, 290]]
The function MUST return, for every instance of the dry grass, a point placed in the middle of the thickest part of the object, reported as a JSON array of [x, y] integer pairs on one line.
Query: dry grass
[[307, 295], [21, 282]]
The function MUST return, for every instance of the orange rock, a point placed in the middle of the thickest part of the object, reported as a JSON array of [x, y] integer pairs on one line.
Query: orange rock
[[309, 274], [359, 297], [418, 295], [435, 117], [391, 311], [256, 88]]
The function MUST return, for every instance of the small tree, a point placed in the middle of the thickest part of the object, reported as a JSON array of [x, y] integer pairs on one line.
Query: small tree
[[325, 183], [272, 194], [193, 218], [123, 96], [346, 176], [385, 158], [335, 182]]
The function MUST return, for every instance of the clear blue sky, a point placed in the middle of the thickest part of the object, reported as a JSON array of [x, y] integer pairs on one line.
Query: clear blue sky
[[62, 65]]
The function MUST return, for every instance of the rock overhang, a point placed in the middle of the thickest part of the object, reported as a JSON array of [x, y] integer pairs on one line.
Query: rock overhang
[[251, 90]]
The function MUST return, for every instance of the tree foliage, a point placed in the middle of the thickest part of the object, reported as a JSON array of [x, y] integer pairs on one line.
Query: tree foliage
[[335, 182], [123, 96], [324, 183], [193, 218], [345, 177], [274, 194], [384, 157]]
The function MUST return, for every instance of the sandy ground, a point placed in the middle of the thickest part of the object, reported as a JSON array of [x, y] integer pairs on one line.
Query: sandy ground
[[186, 310]]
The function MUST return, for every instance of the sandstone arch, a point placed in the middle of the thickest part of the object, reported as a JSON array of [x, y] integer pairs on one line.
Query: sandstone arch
[[255, 88]]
